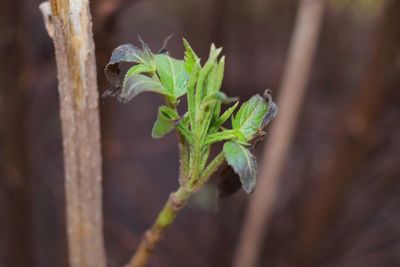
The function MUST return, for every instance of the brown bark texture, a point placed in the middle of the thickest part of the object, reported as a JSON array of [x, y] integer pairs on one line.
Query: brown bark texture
[[69, 25]]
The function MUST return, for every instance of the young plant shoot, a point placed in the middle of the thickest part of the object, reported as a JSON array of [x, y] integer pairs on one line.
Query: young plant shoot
[[200, 127]]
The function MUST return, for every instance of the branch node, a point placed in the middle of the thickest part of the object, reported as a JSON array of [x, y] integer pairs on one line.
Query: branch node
[[176, 204]]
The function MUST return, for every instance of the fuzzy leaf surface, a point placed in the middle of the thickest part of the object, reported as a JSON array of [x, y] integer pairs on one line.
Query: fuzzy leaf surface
[[192, 67], [219, 97], [138, 69], [250, 116], [139, 83], [165, 122], [215, 77], [192, 61], [172, 74]]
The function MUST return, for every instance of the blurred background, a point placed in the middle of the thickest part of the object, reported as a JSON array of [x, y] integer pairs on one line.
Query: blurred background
[[338, 198]]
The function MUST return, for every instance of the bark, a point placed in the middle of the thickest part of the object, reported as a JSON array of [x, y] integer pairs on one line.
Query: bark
[[295, 78], [69, 25]]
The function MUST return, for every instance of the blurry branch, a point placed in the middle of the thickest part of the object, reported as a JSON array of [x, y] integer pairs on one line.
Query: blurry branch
[[355, 136], [69, 25], [296, 74]]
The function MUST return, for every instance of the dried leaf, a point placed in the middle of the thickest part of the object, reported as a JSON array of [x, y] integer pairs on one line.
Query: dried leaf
[[124, 53]]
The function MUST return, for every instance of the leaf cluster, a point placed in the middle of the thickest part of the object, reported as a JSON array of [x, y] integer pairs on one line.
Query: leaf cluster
[[202, 125]]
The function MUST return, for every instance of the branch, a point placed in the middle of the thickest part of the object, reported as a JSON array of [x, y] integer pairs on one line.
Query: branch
[[153, 236], [301, 53], [174, 204], [69, 25]]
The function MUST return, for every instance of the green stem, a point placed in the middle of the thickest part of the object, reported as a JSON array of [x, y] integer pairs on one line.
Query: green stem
[[192, 176], [209, 170], [183, 159], [174, 204], [195, 158], [152, 237]]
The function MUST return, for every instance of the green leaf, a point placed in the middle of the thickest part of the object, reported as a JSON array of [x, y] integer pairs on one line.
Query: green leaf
[[243, 163], [215, 97], [218, 120], [165, 121], [225, 116], [203, 74], [192, 66], [139, 83], [204, 123], [250, 116], [214, 79], [172, 74], [192, 61], [184, 130], [222, 136], [139, 68], [218, 97]]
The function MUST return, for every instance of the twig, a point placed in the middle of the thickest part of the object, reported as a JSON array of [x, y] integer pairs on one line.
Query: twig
[[152, 237], [174, 204], [69, 25], [296, 75]]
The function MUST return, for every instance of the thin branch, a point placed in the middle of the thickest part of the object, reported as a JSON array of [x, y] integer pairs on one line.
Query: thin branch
[[296, 74], [167, 215], [69, 25], [153, 236]]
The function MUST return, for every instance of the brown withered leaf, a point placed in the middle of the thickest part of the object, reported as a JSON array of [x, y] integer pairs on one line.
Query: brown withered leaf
[[127, 53]]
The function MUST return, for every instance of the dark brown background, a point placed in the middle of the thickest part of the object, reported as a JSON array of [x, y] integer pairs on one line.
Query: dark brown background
[[363, 228]]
